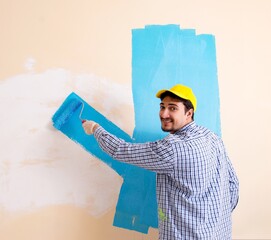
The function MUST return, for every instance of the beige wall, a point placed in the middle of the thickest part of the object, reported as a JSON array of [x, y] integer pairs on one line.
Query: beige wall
[[49, 48]]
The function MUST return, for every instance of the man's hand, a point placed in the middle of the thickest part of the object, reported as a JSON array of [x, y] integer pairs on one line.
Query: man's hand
[[89, 126]]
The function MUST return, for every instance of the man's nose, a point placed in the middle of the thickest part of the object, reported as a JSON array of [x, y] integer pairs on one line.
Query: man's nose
[[164, 113]]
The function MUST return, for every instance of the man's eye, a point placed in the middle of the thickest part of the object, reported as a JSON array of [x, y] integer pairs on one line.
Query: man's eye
[[173, 109]]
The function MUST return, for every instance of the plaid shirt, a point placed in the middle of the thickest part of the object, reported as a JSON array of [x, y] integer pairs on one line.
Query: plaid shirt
[[197, 188]]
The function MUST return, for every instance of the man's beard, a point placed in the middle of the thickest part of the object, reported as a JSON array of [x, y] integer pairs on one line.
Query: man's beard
[[166, 130]]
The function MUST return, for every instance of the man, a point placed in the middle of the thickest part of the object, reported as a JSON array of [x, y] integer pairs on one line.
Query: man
[[197, 188]]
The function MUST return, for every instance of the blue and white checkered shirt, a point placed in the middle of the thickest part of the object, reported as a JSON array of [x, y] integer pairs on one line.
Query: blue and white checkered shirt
[[197, 187]]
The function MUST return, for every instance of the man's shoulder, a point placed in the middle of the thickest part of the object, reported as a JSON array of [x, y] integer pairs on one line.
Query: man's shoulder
[[205, 131]]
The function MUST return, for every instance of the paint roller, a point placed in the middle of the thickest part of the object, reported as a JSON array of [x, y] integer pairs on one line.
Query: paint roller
[[70, 105]]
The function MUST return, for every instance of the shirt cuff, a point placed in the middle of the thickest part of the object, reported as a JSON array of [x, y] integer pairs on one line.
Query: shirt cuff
[[98, 132]]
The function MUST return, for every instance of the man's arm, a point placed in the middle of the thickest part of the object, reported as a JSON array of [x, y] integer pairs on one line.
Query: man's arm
[[234, 185], [154, 156]]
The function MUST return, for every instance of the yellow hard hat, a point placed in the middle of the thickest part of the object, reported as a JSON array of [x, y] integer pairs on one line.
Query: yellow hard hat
[[182, 92]]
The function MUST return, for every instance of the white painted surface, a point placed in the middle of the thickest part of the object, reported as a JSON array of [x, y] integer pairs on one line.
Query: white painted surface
[[39, 165]]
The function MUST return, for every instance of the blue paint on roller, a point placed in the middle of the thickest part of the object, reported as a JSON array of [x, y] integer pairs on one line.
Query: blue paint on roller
[[65, 111], [162, 57]]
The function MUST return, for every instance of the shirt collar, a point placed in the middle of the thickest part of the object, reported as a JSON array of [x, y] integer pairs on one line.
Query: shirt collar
[[186, 128]]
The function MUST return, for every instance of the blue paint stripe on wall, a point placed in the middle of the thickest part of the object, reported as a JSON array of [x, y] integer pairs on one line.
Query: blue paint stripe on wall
[[162, 56], [138, 184]]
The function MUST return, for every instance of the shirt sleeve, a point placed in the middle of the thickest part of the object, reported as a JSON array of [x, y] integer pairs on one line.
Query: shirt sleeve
[[234, 185], [155, 156]]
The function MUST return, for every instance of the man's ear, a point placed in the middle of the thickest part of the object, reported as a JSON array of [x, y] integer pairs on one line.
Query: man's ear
[[190, 112]]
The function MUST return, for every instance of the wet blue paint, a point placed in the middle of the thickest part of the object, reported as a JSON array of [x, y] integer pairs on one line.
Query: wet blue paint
[[162, 56], [72, 127], [134, 193]]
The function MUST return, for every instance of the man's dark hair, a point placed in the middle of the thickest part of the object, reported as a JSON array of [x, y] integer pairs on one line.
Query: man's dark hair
[[187, 103]]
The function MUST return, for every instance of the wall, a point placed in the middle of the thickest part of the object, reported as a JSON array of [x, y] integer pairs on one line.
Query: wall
[[50, 48]]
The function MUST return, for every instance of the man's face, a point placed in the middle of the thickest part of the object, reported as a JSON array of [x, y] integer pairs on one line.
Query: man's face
[[172, 114]]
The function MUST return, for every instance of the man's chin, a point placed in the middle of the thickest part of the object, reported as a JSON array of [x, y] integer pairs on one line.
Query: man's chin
[[166, 129]]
